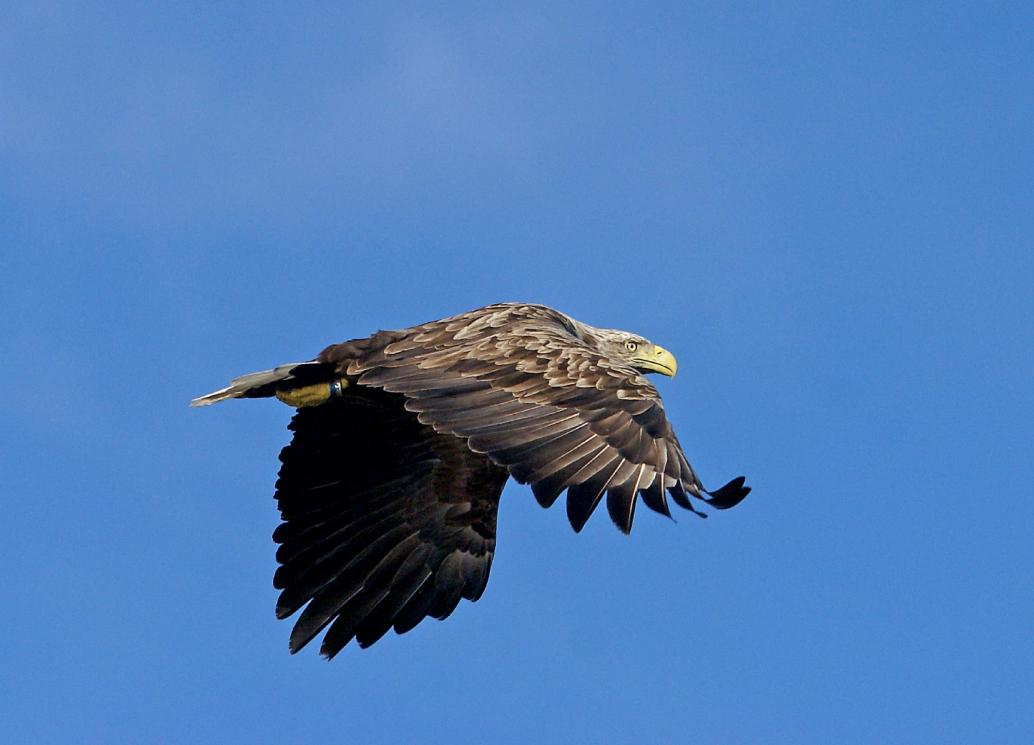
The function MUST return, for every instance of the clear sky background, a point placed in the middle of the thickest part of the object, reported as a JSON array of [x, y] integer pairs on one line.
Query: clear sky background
[[824, 210]]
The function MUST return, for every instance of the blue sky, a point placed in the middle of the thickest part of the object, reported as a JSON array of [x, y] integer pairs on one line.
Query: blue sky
[[823, 210]]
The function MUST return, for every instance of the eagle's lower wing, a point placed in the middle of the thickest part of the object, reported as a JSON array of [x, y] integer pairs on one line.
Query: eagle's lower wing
[[537, 400], [385, 521]]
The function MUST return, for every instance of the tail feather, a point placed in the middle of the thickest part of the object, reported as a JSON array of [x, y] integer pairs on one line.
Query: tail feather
[[256, 384]]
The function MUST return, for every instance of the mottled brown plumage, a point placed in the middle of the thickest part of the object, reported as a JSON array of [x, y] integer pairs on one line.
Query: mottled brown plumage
[[403, 442]]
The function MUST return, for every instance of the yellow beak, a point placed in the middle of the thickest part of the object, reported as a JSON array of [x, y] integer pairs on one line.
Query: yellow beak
[[657, 359]]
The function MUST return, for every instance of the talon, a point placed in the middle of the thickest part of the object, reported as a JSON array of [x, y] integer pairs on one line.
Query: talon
[[313, 395]]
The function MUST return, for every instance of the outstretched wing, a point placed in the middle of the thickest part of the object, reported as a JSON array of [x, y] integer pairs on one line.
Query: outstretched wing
[[385, 521], [523, 385]]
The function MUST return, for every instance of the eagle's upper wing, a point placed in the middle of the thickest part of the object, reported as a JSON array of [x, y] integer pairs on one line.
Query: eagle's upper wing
[[521, 385]]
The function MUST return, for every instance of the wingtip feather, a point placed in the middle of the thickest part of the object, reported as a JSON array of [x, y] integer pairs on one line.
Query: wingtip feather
[[729, 495]]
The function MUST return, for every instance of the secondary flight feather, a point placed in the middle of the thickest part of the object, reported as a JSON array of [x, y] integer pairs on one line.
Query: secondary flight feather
[[403, 440]]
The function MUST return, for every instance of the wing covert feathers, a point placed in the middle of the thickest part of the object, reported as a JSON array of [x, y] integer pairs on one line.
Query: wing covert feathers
[[523, 386]]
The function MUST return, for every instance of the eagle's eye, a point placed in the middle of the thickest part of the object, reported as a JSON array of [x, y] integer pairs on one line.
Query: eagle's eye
[[631, 346]]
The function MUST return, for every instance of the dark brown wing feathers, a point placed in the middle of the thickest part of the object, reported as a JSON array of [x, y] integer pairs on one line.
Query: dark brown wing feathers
[[385, 521]]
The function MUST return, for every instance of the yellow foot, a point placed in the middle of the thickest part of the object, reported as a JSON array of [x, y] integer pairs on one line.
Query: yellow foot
[[313, 395]]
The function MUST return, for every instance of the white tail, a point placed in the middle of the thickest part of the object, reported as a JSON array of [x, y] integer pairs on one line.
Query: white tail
[[240, 386]]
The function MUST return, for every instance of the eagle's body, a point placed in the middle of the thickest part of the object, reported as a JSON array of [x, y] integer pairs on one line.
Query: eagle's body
[[403, 441]]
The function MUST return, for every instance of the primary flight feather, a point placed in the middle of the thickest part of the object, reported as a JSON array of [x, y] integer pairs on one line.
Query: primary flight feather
[[403, 441]]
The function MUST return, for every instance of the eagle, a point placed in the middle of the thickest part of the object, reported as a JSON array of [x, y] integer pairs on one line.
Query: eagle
[[389, 489]]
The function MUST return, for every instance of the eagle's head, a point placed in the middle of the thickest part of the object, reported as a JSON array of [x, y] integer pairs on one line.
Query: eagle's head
[[632, 349]]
